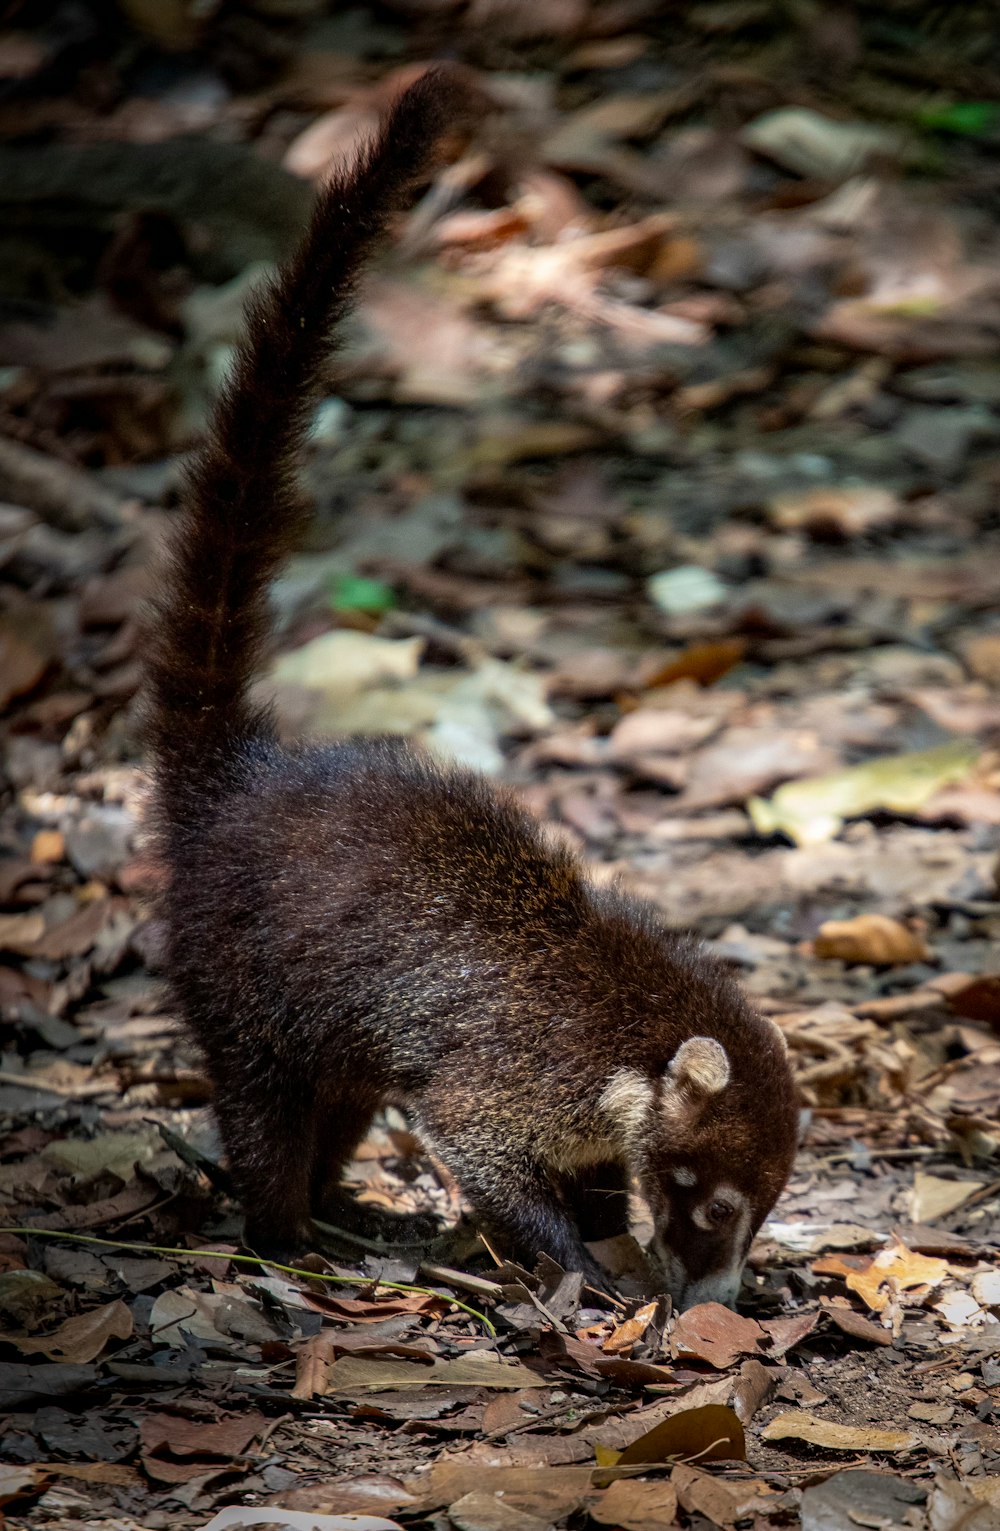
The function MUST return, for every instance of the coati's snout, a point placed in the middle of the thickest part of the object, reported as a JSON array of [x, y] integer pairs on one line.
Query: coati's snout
[[716, 1148]]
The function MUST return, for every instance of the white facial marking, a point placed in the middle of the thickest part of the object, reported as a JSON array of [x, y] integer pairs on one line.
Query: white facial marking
[[685, 1176], [626, 1100]]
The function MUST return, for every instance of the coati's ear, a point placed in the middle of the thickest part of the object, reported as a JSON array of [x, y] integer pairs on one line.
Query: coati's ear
[[698, 1070], [778, 1032]]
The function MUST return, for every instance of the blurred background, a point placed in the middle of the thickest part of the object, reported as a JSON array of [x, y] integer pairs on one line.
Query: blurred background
[[659, 476]]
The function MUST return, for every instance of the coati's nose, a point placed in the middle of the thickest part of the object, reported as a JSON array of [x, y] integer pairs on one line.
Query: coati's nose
[[721, 1286]]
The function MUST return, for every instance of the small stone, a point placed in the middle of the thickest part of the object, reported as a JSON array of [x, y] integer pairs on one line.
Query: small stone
[[684, 590]]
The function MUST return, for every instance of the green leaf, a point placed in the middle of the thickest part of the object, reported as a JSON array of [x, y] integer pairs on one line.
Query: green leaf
[[967, 119], [352, 592]]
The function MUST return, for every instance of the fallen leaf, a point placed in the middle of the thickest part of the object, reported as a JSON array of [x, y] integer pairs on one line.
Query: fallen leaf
[[786, 1333], [715, 1334], [843, 511], [225, 1435], [892, 1272], [631, 1331], [82, 1338], [986, 1288], [857, 1326], [712, 1433], [873, 938], [115, 1473], [20, 932], [702, 662], [800, 1425], [978, 999], [724, 1504], [480, 1368], [812, 811], [810, 144], [635, 1505], [857, 1497], [932, 1197], [959, 1309], [955, 1506], [374, 1310], [20, 1482], [271, 1516]]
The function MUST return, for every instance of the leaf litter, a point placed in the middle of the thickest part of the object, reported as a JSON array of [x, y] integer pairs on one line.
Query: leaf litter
[[670, 439]]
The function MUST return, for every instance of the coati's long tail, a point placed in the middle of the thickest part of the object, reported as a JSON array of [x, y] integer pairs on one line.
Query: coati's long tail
[[243, 514]]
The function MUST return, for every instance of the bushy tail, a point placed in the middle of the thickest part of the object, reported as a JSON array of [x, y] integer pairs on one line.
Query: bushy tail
[[243, 512]]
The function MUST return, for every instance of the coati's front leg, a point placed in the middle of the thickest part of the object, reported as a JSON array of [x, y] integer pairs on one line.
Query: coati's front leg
[[512, 1195], [597, 1197], [267, 1121]]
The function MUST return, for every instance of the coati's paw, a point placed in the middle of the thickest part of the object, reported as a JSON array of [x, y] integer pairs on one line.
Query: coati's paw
[[279, 1248]]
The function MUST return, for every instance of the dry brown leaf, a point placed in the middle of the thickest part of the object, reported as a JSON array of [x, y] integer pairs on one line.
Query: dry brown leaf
[[479, 1368], [873, 938], [227, 1435], [715, 1334], [556, 1491], [844, 512], [982, 655], [978, 999], [92, 1472], [724, 1504], [82, 1338], [786, 1333], [635, 1505], [855, 1325], [629, 1333], [19, 933], [702, 662], [712, 1433], [21, 1480], [801, 1425], [373, 1310], [753, 1388]]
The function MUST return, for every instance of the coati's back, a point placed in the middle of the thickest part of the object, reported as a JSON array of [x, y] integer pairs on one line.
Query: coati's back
[[350, 921]]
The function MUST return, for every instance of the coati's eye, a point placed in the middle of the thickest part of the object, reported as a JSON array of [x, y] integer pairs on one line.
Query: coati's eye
[[720, 1212]]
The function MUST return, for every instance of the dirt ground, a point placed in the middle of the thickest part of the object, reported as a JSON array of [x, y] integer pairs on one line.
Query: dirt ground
[[659, 478]]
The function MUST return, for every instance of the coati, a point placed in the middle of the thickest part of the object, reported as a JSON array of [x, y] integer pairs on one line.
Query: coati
[[351, 922]]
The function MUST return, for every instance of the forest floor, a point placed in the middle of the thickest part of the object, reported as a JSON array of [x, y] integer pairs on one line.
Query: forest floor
[[660, 478]]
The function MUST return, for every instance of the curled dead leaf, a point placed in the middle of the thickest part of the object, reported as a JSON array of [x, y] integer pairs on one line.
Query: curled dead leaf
[[873, 938]]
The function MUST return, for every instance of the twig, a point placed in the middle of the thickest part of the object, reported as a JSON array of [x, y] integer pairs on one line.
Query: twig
[[256, 1260]]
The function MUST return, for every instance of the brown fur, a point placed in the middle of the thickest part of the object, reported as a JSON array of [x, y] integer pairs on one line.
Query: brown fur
[[351, 923]]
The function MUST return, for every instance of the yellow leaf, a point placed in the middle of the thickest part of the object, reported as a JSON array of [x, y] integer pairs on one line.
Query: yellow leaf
[[812, 811], [801, 1425]]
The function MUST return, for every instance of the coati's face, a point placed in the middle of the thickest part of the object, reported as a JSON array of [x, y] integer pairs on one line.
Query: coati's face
[[712, 1143]]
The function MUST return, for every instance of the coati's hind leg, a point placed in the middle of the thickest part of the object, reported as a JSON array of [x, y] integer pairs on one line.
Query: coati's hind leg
[[597, 1197]]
